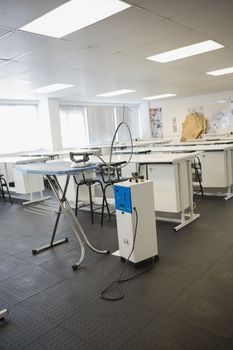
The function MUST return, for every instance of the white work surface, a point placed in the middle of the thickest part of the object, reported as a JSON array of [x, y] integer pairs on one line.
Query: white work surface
[[24, 183], [172, 180], [200, 142], [52, 154], [216, 161], [105, 148], [136, 150]]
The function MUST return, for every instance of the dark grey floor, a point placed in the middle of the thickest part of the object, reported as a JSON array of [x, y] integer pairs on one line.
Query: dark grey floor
[[185, 302]]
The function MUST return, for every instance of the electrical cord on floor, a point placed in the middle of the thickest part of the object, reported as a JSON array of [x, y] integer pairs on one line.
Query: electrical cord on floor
[[120, 280]]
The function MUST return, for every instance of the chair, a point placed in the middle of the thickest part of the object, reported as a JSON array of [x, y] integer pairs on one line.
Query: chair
[[3, 184], [197, 173], [85, 180], [108, 179]]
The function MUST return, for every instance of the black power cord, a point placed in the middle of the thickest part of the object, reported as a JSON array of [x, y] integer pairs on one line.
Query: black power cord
[[120, 280]]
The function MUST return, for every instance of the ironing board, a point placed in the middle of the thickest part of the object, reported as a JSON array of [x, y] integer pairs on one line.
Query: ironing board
[[51, 171]]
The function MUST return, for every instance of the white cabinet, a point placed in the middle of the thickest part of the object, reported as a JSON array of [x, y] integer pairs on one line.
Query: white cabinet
[[28, 183], [171, 186], [214, 169]]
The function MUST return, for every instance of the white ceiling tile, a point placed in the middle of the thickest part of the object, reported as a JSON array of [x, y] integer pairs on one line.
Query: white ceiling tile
[[149, 34], [49, 54], [4, 31], [133, 2], [208, 61], [15, 13], [122, 23], [187, 37], [215, 14], [17, 43], [168, 8], [110, 54], [11, 69], [92, 56]]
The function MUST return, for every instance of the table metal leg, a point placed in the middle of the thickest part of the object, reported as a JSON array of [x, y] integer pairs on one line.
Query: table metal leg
[[52, 243], [73, 221]]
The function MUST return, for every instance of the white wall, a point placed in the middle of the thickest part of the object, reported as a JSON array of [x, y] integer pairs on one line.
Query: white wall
[[179, 107], [49, 120]]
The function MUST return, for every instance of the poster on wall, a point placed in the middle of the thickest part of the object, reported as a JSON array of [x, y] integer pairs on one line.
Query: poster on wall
[[156, 122], [219, 116]]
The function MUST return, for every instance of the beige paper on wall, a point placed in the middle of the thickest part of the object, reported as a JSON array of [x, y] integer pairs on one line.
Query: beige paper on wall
[[194, 126]]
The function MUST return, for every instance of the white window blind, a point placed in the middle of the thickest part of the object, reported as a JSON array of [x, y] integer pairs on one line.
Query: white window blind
[[101, 124], [19, 128], [128, 114], [73, 128]]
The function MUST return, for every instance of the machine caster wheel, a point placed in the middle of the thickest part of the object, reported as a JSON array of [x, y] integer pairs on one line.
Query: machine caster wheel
[[156, 258], [74, 267], [122, 259]]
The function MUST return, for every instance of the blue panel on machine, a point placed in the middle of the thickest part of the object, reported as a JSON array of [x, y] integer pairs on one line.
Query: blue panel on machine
[[123, 198]]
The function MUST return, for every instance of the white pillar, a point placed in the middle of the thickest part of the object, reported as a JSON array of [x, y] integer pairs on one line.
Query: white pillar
[[144, 121], [50, 127]]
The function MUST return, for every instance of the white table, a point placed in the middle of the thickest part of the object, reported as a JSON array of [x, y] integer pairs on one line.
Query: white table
[[53, 170], [136, 150], [105, 148], [200, 142], [217, 165], [25, 184], [172, 180], [57, 154]]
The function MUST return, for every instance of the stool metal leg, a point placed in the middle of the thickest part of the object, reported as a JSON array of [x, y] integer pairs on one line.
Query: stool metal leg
[[2, 191], [4, 184], [91, 204], [3, 314], [71, 218], [76, 200], [105, 201]]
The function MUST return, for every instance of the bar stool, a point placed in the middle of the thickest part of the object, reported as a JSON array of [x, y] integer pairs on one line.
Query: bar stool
[[89, 182], [3, 184], [197, 172], [115, 176]]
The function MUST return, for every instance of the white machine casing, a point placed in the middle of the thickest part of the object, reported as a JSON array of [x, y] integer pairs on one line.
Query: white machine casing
[[142, 198]]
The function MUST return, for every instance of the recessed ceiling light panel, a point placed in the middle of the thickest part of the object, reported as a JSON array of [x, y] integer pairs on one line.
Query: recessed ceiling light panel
[[74, 15], [186, 51], [52, 88], [158, 97], [115, 93], [221, 71]]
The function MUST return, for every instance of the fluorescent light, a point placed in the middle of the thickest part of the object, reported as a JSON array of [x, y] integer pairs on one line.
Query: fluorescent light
[[52, 88], [116, 93], [221, 71], [186, 51], [158, 97], [74, 15]]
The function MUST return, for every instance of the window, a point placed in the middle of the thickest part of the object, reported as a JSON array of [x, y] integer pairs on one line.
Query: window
[[101, 124], [19, 126], [128, 114], [73, 127]]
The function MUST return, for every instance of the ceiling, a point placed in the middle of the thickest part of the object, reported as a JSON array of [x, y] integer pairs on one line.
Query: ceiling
[[110, 55]]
